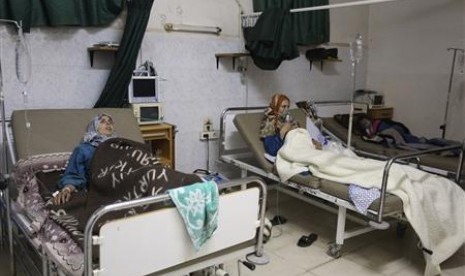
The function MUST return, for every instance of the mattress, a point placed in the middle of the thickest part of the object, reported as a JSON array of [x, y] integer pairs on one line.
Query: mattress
[[445, 163]]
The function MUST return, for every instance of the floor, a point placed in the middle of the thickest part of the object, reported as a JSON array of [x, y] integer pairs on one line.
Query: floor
[[374, 253]]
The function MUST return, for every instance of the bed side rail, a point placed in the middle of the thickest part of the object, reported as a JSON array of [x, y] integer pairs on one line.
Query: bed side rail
[[227, 126], [359, 107], [401, 157], [254, 182]]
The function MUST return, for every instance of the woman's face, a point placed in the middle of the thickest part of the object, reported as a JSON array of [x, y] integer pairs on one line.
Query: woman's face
[[105, 126], [283, 107]]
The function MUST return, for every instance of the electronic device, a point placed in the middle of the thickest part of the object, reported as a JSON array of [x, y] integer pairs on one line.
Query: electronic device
[[148, 113], [143, 89]]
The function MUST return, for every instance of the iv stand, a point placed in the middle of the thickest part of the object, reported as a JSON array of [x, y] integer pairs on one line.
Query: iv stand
[[451, 77], [355, 57], [4, 171]]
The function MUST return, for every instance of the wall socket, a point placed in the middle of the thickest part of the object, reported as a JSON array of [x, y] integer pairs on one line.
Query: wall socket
[[208, 135], [207, 125]]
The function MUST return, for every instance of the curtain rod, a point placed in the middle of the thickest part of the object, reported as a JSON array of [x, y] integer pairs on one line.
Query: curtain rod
[[333, 6]]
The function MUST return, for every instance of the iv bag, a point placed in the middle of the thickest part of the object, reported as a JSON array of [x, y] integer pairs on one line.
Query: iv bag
[[356, 49], [22, 59]]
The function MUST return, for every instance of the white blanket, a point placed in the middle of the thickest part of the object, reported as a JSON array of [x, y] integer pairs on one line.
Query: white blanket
[[433, 205]]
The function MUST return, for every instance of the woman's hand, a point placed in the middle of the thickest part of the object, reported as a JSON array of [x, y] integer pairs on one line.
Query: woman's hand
[[64, 195]]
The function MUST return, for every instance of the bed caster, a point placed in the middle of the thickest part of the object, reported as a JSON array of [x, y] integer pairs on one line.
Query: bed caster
[[401, 229], [334, 250]]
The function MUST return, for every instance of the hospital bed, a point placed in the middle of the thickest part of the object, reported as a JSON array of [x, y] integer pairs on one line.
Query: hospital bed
[[154, 242], [449, 166], [241, 146]]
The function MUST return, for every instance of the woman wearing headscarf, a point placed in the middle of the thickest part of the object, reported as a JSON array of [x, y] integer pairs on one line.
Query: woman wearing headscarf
[[276, 122], [76, 174]]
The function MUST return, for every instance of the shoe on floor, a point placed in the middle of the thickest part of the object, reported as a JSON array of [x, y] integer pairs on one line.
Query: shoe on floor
[[306, 241]]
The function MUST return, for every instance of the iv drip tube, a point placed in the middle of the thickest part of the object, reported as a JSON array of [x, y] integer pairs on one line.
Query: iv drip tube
[[356, 54]]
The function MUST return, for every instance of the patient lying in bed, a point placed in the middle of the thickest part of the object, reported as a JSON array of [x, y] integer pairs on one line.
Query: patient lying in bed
[[433, 205], [75, 177], [103, 169]]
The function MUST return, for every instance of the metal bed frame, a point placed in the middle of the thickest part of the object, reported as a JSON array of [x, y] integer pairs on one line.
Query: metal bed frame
[[243, 159]]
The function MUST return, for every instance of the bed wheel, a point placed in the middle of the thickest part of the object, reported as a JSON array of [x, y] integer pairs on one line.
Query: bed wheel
[[401, 229], [334, 250]]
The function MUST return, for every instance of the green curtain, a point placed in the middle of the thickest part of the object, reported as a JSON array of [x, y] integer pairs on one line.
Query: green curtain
[[114, 92], [311, 27], [35, 13]]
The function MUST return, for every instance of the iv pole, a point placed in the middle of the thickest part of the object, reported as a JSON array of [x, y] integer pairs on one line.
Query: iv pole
[[4, 171], [355, 56], [444, 124]]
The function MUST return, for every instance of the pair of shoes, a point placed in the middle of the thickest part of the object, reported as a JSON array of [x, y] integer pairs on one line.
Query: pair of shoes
[[278, 220], [306, 241]]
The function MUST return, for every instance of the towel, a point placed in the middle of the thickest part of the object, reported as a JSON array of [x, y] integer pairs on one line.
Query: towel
[[198, 206], [433, 204]]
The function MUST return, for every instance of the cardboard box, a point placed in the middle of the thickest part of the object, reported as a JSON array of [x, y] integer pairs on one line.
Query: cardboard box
[[381, 113]]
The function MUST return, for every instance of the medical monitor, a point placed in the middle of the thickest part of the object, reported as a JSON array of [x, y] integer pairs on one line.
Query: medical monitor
[[143, 89], [148, 113]]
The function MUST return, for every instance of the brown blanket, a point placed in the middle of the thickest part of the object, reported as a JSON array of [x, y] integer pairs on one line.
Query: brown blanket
[[121, 170]]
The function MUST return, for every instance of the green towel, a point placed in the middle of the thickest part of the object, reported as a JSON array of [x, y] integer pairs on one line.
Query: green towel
[[198, 206]]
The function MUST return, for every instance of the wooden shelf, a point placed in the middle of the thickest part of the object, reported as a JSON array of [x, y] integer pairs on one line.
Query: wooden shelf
[[94, 49], [161, 139], [230, 55]]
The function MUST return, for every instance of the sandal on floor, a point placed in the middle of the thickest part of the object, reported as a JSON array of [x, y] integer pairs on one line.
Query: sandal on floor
[[306, 241]]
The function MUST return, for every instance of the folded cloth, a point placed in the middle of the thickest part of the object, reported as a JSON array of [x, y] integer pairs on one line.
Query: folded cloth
[[363, 197], [198, 206]]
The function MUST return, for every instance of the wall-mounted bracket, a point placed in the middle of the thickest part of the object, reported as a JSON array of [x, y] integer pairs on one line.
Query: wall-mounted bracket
[[230, 55]]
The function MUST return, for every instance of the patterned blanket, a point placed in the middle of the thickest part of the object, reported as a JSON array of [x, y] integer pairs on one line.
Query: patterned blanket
[[121, 170]]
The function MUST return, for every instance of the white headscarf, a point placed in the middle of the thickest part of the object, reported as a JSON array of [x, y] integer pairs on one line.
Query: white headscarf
[[92, 135]]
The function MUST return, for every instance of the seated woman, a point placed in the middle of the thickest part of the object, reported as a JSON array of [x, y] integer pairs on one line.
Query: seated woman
[[276, 123], [76, 174]]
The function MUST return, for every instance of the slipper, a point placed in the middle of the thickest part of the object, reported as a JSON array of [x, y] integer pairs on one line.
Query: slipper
[[306, 241], [278, 220]]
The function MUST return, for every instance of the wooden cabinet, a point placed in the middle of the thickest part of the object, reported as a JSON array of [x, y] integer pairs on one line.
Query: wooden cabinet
[[160, 137], [380, 113]]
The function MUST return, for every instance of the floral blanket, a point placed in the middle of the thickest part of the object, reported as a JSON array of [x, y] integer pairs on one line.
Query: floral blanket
[[121, 170]]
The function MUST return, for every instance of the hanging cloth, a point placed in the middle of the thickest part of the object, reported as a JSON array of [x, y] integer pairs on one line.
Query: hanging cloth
[[60, 12], [115, 90], [271, 40], [308, 28]]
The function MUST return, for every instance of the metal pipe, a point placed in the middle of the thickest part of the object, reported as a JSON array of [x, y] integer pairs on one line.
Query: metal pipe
[[332, 6], [391, 161], [222, 137]]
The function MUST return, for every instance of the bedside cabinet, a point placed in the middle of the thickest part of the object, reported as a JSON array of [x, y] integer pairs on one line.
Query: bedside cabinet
[[160, 137], [377, 113]]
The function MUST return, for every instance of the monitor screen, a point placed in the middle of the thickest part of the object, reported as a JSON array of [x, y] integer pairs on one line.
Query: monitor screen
[[149, 113], [143, 89]]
